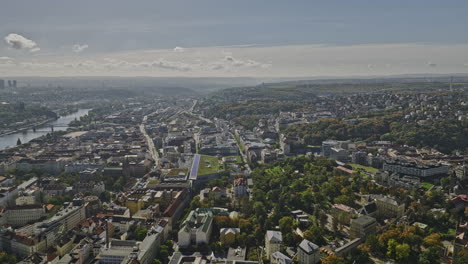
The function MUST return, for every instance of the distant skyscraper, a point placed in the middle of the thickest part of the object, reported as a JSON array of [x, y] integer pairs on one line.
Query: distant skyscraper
[[12, 83], [2, 84]]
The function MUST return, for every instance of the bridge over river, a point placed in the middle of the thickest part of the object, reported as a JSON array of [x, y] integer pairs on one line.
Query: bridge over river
[[60, 124]]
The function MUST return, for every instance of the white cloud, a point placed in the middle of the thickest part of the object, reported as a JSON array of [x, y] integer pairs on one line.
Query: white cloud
[[179, 49], [172, 65], [77, 48], [5, 58], [216, 66], [19, 42], [257, 61], [244, 63]]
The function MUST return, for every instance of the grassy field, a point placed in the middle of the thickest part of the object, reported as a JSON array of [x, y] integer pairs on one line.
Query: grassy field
[[208, 165], [238, 159], [364, 168], [154, 181], [426, 185]]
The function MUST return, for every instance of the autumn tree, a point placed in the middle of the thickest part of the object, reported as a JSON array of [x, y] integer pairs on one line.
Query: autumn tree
[[334, 260]]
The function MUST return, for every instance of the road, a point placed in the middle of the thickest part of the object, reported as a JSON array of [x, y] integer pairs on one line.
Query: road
[[149, 141], [244, 157]]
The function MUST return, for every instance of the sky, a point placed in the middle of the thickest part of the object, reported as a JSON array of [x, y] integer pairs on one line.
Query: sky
[[220, 38]]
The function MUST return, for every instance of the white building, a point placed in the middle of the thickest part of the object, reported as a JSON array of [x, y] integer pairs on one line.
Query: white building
[[279, 258], [308, 252], [196, 229], [273, 241]]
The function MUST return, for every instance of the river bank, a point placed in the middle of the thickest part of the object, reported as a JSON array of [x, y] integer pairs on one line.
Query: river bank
[[30, 126], [28, 134]]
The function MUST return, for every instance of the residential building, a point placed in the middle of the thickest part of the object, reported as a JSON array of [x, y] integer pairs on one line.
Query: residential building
[[308, 252], [359, 157], [229, 236], [327, 146], [339, 154], [461, 239], [280, 258], [389, 207], [240, 187], [21, 215], [273, 242], [363, 226], [415, 169], [343, 213], [196, 229]]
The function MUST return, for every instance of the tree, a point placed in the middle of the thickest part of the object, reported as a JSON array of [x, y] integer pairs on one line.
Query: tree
[[314, 234], [334, 260], [7, 258], [286, 224], [462, 257], [433, 240], [140, 233], [195, 203], [18, 142], [163, 253], [260, 211], [359, 254], [245, 225], [429, 256], [372, 243], [402, 251]]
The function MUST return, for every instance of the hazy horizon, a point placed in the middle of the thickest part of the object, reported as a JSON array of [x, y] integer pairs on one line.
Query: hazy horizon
[[261, 39]]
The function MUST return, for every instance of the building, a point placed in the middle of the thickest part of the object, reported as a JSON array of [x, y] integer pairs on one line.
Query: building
[[461, 239], [240, 187], [389, 207], [339, 154], [348, 247], [26, 199], [273, 242], [460, 202], [2, 84], [327, 146], [343, 213], [363, 226], [21, 215], [462, 172], [415, 169], [359, 157], [12, 83], [308, 252], [369, 209], [236, 254], [280, 258], [117, 252], [229, 236], [196, 229], [95, 188], [149, 248]]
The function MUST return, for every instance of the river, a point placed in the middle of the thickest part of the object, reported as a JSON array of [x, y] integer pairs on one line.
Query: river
[[60, 124]]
